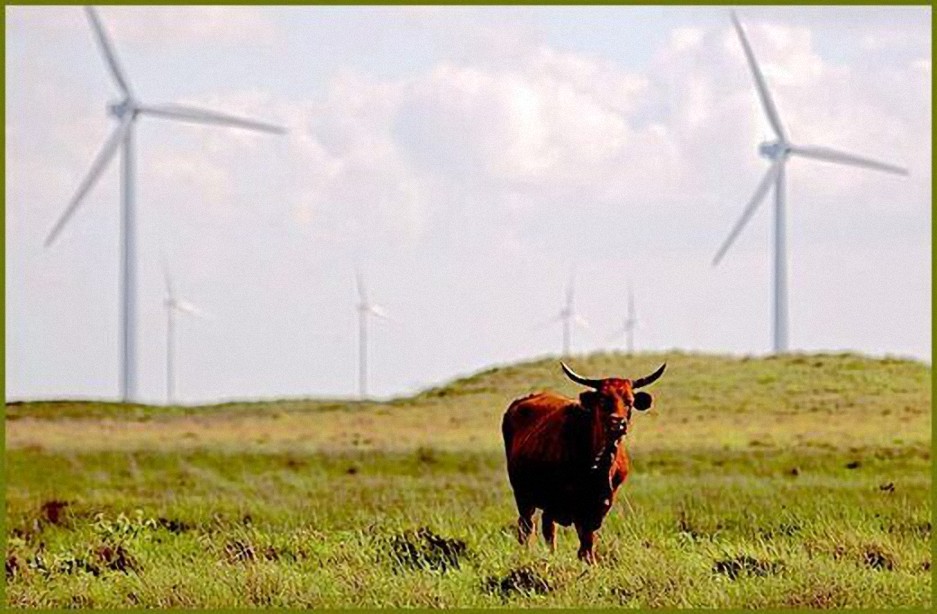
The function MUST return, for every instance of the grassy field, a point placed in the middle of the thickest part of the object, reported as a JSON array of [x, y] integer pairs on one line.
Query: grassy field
[[796, 481]]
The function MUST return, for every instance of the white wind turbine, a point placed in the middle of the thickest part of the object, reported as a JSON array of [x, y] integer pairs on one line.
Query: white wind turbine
[[778, 151], [126, 111], [365, 309], [173, 306], [568, 316], [631, 322]]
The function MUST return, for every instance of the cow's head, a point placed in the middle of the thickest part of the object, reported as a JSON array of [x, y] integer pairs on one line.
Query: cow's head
[[612, 399]]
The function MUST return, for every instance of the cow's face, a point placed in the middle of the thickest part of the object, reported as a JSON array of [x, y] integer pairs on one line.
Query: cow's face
[[612, 399], [612, 402]]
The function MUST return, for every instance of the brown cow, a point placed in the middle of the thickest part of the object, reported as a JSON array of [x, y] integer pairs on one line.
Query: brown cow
[[564, 456]]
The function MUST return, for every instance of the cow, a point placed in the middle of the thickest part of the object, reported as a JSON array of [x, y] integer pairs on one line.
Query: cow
[[564, 456]]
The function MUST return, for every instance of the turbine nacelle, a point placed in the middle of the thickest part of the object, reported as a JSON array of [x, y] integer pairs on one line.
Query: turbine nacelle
[[774, 150], [121, 108]]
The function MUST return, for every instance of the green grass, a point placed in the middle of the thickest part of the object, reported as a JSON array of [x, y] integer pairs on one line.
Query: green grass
[[799, 481]]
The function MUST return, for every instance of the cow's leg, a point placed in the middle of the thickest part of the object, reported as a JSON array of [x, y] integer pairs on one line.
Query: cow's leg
[[525, 520], [586, 543], [549, 530]]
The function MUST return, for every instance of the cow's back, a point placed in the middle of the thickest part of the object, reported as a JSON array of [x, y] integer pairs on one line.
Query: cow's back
[[534, 424], [543, 436]]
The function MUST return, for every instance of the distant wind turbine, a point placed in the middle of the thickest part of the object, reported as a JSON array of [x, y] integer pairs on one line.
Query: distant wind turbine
[[631, 321], [365, 309], [778, 151], [173, 306], [126, 111], [568, 316]]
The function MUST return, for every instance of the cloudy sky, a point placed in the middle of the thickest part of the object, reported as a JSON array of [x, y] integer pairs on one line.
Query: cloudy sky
[[466, 159]]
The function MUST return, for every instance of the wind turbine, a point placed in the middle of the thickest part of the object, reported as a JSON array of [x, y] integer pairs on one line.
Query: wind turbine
[[631, 321], [568, 316], [365, 309], [126, 111], [778, 152], [173, 306]]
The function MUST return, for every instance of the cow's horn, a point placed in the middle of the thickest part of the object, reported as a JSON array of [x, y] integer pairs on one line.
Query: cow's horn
[[650, 379], [585, 381]]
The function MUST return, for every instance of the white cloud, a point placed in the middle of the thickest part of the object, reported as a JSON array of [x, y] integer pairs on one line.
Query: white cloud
[[548, 127]]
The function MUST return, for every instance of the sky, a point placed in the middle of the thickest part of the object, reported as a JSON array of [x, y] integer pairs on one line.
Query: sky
[[467, 160]]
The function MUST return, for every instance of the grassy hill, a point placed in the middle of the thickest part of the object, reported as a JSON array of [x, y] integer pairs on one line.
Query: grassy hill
[[801, 480], [702, 400]]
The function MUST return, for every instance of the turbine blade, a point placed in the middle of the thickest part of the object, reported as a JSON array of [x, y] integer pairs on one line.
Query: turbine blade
[[109, 56], [186, 307], [379, 312], [756, 199], [582, 322], [760, 85], [204, 116], [841, 157], [94, 173]]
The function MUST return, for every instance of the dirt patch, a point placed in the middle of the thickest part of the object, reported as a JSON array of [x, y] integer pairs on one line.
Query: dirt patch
[[294, 463], [423, 549], [747, 565], [116, 558], [427, 456], [877, 558], [53, 511], [522, 580]]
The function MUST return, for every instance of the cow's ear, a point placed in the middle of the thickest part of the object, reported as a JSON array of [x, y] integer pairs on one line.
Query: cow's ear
[[589, 399], [642, 401]]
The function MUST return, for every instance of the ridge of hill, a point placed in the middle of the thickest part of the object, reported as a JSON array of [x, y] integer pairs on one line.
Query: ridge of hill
[[701, 401]]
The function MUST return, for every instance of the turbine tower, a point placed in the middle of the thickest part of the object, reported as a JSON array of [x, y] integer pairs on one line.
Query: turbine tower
[[778, 151], [631, 321], [173, 306], [126, 111], [568, 316], [365, 309]]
